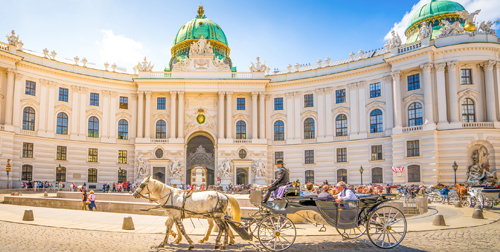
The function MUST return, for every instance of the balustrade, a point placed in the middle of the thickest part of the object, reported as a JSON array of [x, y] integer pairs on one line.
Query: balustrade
[[412, 129], [242, 141], [470, 125], [159, 140]]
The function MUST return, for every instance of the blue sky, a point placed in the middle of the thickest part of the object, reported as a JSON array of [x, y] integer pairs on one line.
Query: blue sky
[[279, 32]]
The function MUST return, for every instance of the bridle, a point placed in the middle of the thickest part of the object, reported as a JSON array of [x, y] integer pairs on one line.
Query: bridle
[[142, 186]]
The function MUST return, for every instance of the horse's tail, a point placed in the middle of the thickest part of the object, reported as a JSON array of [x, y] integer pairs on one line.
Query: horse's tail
[[235, 208]]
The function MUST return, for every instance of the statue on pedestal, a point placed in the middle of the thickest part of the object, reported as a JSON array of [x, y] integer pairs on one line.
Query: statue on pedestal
[[479, 172], [141, 170], [259, 168], [225, 169], [175, 168]]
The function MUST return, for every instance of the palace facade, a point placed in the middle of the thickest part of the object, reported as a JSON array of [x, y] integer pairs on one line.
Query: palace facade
[[423, 105]]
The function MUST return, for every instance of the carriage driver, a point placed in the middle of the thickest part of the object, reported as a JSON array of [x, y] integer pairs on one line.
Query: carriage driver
[[281, 180], [345, 193]]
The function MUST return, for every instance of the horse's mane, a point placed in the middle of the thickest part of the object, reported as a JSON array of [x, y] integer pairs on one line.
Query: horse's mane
[[159, 187]]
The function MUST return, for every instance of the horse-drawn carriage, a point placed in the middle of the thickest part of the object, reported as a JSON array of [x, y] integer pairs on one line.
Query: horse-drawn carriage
[[385, 225], [484, 196]]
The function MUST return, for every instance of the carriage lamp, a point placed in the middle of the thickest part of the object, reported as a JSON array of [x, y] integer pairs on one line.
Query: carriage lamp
[[455, 167], [361, 170], [59, 167]]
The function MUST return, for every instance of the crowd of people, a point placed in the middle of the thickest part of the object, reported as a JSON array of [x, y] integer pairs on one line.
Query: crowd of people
[[39, 185]]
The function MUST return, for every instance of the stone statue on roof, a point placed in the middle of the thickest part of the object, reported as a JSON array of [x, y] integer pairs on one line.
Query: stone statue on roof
[[450, 29], [13, 40], [258, 67], [145, 66], [469, 18], [425, 31], [393, 42], [486, 27]]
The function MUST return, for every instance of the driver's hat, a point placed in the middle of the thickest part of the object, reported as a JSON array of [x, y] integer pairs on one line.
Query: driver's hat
[[279, 162]]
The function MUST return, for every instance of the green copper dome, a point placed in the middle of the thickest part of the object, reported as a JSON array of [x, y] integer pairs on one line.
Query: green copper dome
[[432, 13], [200, 26]]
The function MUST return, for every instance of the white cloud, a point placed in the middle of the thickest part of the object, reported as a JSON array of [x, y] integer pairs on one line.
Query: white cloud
[[489, 11], [123, 51]]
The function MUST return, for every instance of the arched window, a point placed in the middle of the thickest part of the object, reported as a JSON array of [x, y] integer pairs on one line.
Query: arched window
[[414, 173], [93, 127], [309, 128], [122, 175], [415, 114], [279, 131], [123, 129], [341, 125], [92, 176], [27, 173], [342, 175], [377, 175], [309, 176], [241, 130], [161, 130], [376, 121], [468, 111], [61, 174], [28, 118], [62, 124]]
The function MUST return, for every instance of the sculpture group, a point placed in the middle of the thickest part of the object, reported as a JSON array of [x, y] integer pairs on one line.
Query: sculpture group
[[200, 57], [479, 172]]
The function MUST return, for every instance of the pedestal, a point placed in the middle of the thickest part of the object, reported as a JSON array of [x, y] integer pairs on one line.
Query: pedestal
[[260, 180], [176, 181], [224, 182]]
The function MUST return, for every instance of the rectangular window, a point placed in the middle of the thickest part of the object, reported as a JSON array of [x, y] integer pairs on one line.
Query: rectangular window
[[309, 176], [63, 94], [342, 155], [123, 102], [377, 152], [340, 96], [413, 82], [375, 90], [240, 103], [160, 103], [413, 148], [308, 101], [92, 155], [94, 99], [278, 155], [30, 88], [278, 103], [92, 176], [466, 76], [309, 157], [61, 152], [27, 150], [122, 156]]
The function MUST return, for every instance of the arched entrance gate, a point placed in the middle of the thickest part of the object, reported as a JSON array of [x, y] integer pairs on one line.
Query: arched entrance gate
[[200, 152]]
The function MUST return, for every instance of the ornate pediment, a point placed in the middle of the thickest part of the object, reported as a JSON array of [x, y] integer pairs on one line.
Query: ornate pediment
[[124, 115], [413, 97], [308, 113], [163, 116], [201, 58], [62, 107], [30, 102], [240, 116], [93, 112], [375, 104], [467, 93], [341, 110], [278, 116]]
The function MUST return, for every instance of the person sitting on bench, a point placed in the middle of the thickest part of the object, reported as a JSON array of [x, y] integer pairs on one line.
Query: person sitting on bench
[[345, 193], [325, 194]]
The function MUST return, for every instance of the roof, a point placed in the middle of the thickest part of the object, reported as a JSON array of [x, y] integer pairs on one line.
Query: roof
[[435, 8], [199, 26]]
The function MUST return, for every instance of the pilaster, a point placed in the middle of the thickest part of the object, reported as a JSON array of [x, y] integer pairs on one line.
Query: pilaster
[[452, 92], [220, 115], [428, 100], [490, 90], [441, 92], [18, 88], [298, 122], [147, 116], [9, 96], [262, 117], [289, 117], [254, 115], [140, 114], [180, 126], [229, 116]]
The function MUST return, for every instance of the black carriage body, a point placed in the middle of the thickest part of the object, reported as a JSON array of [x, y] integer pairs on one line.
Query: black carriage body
[[343, 215]]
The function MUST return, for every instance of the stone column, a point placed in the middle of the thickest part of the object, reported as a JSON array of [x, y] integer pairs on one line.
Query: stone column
[[43, 107], [396, 88], [490, 90], [140, 114], [173, 97], [441, 92], [328, 112], [289, 116], [75, 91], [83, 110], [147, 115], [498, 84], [113, 125], [262, 112], [452, 91], [9, 96], [268, 111], [362, 106], [353, 104], [387, 84], [229, 115], [50, 114], [18, 89], [428, 101], [105, 114], [254, 115], [180, 125], [220, 115], [320, 93], [297, 115], [134, 111]]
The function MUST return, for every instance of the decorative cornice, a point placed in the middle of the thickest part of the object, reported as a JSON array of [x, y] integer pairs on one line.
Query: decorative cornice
[[30, 101], [278, 116], [468, 93], [93, 112]]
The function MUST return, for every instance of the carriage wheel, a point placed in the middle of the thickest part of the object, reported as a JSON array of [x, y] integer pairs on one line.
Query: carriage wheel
[[386, 227], [276, 233], [352, 233]]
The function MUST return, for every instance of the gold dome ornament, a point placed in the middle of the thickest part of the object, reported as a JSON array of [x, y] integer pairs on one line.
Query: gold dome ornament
[[470, 27]]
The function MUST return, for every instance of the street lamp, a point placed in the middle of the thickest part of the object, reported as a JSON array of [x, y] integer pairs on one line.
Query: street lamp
[[455, 167], [361, 170], [59, 167]]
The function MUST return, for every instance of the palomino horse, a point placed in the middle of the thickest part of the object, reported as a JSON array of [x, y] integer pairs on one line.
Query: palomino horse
[[199, 205], [462, 192]]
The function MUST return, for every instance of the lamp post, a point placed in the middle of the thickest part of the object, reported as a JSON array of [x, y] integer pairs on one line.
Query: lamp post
[[455, 167], [119, 174], [361, 170]]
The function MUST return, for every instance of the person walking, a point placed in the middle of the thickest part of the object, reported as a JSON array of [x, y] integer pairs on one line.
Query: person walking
[[92, 200], [445, 191], [72, 186], [84, 200], [114, 187]]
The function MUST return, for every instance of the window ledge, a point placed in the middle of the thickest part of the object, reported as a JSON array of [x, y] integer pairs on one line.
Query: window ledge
[[346, 162], [378, 160], [414, 157], [122, 163], [92, 162], [309, 164], [28, 158]]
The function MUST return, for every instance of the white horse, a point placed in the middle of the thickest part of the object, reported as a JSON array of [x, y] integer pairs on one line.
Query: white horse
[[207, 204]]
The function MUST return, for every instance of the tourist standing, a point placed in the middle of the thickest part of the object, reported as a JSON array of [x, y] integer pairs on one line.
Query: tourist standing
[[92, 200], [72, 186], [84, 200], [387, 189], [114, 187], [103, 188], [445, 191]]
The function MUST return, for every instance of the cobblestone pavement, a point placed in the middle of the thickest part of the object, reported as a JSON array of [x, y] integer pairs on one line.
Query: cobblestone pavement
[[23, 237]]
